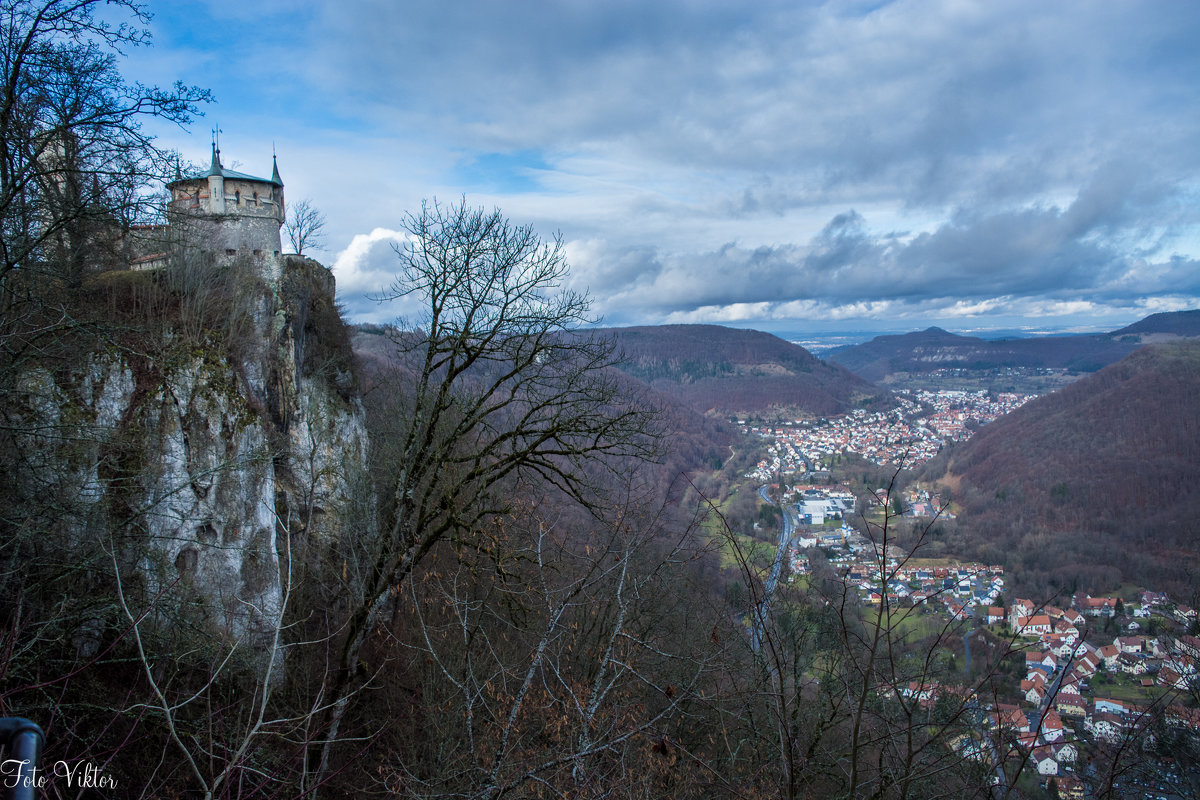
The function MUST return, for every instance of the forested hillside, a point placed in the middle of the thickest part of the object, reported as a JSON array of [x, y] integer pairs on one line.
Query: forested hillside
[[936, 349], [697, 441], [1095, 483], [733, 371], [1164, 324]]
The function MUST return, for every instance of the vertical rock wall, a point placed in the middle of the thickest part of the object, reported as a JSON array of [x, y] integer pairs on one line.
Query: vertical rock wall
[[206, 465]]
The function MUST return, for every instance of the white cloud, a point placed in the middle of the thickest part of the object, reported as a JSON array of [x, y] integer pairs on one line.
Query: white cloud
[[726, 162]]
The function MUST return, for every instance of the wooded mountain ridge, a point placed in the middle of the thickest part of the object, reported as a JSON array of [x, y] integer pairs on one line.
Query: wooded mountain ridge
[[697, 440], [732, 371], [934, 348], [1094, 484]]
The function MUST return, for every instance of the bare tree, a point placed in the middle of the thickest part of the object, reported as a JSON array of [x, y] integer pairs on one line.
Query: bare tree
[[850, 700], [496, 386], [305, 226], [74, 160], [555, 671]]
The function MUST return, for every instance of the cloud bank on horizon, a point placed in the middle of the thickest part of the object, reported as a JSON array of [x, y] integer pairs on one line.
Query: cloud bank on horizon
[[768, 164]]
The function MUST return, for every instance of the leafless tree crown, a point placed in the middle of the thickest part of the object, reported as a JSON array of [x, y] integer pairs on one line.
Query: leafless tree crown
[[304, 226]]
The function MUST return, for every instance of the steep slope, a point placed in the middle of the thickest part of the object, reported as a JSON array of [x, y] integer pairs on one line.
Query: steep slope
[[1097, 482], [694, 440], [732, 371], [1170, 324], [212, 432]]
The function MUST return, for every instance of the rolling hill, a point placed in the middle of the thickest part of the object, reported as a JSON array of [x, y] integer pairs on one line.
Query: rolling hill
[[1164, 325], [934, 348], [714, 369], [695, 440], [1096, 483]]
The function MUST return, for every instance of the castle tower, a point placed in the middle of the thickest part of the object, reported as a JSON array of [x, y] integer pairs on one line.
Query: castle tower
[[227, 215]]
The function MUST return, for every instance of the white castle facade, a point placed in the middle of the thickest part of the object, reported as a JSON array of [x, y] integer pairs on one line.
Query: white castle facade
[[228, 215]]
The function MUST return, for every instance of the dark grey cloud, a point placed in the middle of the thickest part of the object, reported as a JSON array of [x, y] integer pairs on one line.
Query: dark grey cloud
[[706, 157], [931, 102], [1033, 252]]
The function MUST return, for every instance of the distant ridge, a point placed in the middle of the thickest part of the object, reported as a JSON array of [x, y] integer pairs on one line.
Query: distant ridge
[[734, 371], [1176, 323], [1097, 482], [696, 440], [934, 348]]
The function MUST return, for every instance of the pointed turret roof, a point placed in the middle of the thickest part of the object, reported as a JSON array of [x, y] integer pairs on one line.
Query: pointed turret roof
[[215, 168]]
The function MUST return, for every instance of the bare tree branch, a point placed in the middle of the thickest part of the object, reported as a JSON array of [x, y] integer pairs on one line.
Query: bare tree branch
[[304, 226]]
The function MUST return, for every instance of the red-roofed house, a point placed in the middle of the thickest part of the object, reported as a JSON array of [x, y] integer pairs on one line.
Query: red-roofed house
[[1039, 657], [1034, 690], [1178, 716], [1065, 752], [1107, 727], [1031, 626], [1044, 760], [1070, 705], [1128, 644], [1189, 645], [1108, 654], [1010, 718], [1052, 726], [1088, 663], [1062, 646], [923, 693], [1070, 788], [1169, 677], [1096, 606]]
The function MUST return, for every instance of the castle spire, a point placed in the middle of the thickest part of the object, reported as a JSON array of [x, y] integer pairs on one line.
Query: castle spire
[[275, 170], [215, 167]]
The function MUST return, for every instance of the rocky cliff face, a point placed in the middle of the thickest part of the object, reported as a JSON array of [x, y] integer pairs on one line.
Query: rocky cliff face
[[200, 463]]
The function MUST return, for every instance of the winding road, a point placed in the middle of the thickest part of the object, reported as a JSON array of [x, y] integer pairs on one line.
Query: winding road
[[764, 607]]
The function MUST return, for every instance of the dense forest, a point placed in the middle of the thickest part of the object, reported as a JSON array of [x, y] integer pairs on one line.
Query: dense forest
[[1094, 484], [711, 368]]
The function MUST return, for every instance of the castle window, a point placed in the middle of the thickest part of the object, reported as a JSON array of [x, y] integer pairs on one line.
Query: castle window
[[237, 198], [230, 251], [256, 198], [258, 253]]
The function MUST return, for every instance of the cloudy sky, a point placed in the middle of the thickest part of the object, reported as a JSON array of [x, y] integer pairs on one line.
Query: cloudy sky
[[781, 165]]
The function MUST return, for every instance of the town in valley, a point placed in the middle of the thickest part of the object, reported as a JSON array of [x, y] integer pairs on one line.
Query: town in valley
[[1073, 677]]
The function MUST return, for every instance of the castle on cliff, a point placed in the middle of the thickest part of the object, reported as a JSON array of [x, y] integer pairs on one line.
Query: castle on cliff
[[229, 214], [222, 215]]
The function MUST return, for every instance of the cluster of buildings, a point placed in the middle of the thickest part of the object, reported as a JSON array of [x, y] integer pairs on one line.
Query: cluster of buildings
[[912, 433], [951, 410], [963, 590], [1059, 716], [815, 504], [959, 590], [1060, 707]]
